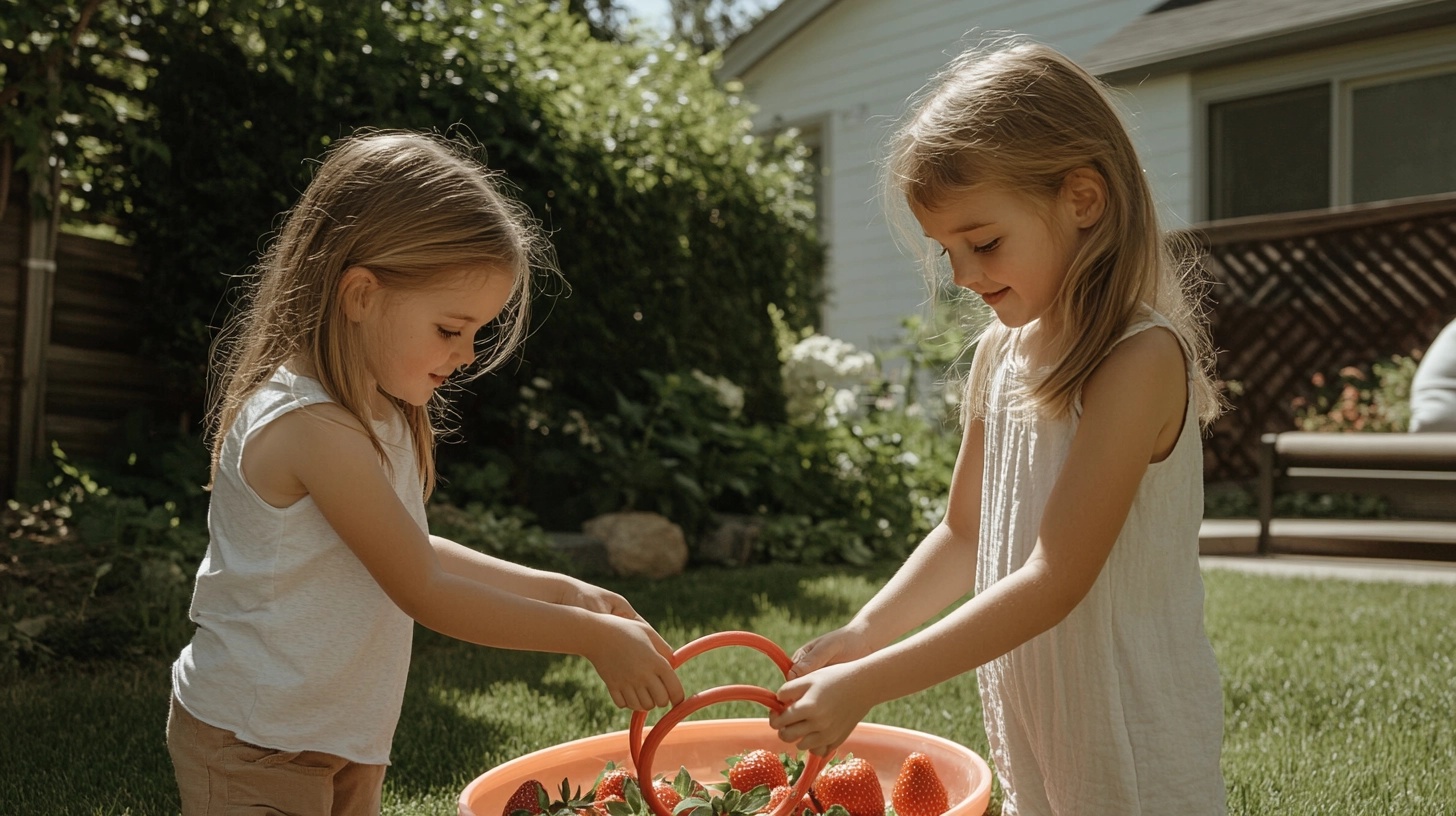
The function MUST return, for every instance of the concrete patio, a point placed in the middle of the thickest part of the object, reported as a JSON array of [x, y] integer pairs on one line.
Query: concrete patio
[[1362, 551]]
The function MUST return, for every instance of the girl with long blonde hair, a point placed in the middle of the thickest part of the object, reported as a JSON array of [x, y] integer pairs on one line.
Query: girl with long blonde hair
[[402, 249], [1078, 492]]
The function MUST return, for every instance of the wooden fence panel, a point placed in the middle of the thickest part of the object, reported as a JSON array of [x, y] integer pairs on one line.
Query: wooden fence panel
[[11, 247], [1301, 294], [95, 373]]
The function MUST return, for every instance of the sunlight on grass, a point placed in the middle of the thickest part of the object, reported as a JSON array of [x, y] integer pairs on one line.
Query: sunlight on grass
[[1338, 698]]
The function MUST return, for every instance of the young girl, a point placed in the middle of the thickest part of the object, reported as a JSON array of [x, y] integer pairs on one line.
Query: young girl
[[1076, 500], [401, 249]]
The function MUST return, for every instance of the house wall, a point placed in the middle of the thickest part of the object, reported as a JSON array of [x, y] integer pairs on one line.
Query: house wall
[[849, 73], [1160, 117]]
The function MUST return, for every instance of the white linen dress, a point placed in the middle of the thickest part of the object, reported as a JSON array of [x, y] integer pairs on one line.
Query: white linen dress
[[1118, 709]]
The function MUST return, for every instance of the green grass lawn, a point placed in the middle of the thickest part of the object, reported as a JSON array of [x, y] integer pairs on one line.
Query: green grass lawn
[[1339, 698]]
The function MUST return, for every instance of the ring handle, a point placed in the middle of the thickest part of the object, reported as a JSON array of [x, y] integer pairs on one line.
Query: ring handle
[[693, 649], [643, 752]]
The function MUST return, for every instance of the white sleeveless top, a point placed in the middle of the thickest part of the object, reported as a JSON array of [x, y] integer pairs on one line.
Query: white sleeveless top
[[1118, 709], [297, 648]]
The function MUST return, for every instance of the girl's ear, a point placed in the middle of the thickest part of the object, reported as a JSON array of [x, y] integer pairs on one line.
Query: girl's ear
[[1086, 191], [359, 293]]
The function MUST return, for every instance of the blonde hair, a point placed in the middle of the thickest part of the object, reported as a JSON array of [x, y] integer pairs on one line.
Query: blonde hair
[[1018, 116], [407, 206]]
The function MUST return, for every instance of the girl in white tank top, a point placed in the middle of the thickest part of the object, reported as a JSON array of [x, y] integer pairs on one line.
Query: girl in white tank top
[[319, 562]]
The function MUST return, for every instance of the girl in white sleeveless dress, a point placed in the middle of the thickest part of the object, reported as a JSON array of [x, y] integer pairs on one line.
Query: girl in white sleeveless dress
[[1078, 492]]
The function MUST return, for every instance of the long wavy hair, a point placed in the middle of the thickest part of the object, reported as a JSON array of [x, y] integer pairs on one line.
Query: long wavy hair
[[1017, 116], [410, 207]]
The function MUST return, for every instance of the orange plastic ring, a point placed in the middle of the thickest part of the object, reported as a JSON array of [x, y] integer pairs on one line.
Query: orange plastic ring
[[643, 752]]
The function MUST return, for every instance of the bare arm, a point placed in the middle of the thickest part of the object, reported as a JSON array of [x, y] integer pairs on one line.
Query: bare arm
[[541, 585], [475, 598], [1132, 404], [939, 572]]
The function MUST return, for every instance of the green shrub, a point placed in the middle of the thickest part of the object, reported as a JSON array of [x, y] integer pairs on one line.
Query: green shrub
[[86, 573], [501, 533], [859, 471], [1374, 398], [673, 224]]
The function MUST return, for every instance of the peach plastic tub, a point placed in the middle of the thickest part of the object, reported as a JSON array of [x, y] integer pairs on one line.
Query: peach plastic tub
[[702, 746]]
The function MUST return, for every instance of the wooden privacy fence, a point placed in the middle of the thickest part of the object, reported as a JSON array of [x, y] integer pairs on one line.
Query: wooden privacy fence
[[1308, 293], [80, 330]]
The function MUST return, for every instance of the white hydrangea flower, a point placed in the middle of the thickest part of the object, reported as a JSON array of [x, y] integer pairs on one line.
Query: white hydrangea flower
[[729, 396], [824, 377]]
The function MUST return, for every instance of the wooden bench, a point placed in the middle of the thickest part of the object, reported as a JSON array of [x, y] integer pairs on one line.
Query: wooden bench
[[1414, 473]]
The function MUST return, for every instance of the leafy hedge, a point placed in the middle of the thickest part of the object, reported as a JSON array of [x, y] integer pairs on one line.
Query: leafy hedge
[[674, 226]]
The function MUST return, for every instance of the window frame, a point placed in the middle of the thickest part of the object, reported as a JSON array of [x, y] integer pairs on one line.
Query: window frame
[[1342, 69], [1342, 181]]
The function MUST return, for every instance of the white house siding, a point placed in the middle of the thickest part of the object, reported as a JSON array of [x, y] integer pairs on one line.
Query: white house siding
[[1160, 117], [850, 71]]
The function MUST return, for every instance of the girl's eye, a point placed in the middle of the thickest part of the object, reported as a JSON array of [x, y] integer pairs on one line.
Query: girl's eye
[[446, 333], [989, 245]]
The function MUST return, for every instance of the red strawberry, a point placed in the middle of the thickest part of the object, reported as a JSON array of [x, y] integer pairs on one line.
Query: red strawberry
[[667, 796], [777, 796], [851, 784], [918, 790], [611, 784], [757, 767], [527, 797]]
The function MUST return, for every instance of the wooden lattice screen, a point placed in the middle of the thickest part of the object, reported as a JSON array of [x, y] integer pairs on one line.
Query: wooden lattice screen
[[1301, 294]]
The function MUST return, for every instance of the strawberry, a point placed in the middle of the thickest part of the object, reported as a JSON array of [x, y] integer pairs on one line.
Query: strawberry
[[527, 797], [853, 785], [778, 796], [918, 790], [612, 783], [667, 796], [754, 768]]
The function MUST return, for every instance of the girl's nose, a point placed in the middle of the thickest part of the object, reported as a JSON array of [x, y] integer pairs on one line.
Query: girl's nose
[[964, 273], [463, 352]]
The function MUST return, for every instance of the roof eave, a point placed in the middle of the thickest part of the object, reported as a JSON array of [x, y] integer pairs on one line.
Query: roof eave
[[1335, 32], [776, 27]]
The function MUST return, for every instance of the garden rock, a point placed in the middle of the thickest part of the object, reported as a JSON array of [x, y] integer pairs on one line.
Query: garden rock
[[639, 543]]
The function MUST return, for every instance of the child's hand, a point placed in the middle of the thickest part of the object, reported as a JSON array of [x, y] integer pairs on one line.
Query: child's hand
[[822, 709], [839, 646], [632, 660]]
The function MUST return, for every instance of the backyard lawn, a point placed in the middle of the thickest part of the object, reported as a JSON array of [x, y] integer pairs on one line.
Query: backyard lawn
[[1339, 698]]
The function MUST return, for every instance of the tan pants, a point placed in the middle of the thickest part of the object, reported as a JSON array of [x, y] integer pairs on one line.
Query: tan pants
[[220, 775]]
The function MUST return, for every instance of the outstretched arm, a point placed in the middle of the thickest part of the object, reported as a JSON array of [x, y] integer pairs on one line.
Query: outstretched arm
[[325, 451], [1132, 405], [939, 572], [542, 585]]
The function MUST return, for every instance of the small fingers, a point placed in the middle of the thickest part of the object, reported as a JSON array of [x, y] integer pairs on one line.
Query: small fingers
[[674, 689], [807, 659]]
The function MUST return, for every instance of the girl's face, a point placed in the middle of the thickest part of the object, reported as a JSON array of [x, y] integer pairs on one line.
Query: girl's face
[[417, 338], [1007, 249]]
